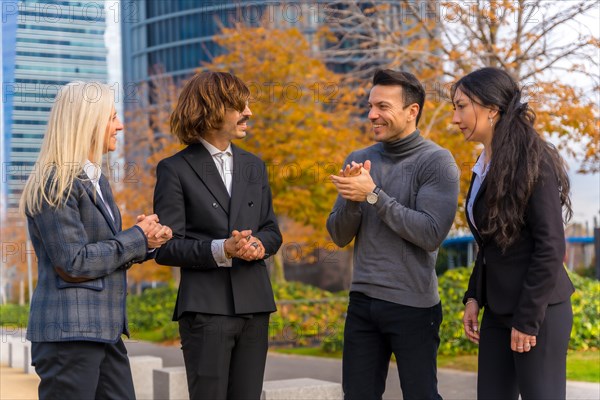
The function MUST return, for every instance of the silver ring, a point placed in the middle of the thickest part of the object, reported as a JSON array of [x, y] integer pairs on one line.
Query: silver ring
[[254, 244]]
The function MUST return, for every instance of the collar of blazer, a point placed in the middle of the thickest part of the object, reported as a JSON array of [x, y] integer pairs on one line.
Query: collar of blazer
[[203, 164], [91, 191]]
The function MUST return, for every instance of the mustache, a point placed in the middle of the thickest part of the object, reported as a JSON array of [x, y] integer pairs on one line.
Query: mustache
[[243, 119]]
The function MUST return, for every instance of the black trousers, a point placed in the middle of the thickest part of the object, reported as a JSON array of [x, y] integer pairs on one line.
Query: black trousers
[[224, 356], [539, 374], [374, 330], [82, 370]]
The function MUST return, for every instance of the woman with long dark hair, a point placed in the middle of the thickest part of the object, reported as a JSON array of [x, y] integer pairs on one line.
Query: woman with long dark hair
[[514, 209]]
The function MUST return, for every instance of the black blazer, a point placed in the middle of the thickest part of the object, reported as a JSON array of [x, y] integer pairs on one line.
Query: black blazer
[[190, 197], [529, 275]]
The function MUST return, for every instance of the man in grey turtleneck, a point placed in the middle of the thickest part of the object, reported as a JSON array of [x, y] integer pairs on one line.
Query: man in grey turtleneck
[[398, 199]]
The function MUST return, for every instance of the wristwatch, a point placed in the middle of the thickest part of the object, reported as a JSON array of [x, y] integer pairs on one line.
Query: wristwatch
[[373, 196]]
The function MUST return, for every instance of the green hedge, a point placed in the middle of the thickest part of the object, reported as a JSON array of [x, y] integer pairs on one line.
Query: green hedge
[[452, 286], [311, 316], [14, 315], [308, 316], [586, 307], [152, 311]]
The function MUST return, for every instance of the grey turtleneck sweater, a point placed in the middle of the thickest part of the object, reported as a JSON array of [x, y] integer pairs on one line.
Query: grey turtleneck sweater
[[397, 238]]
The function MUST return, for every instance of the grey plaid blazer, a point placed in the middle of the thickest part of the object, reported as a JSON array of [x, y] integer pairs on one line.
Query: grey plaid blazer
[[83, 256]]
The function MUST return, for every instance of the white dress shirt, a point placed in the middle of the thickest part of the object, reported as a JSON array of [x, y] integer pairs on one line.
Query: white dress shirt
[[226, 172], [93, 171], [480, 170]]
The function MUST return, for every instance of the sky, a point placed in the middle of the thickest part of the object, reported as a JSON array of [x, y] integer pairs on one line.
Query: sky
[[585, 189], [112, 38], [585, 197]]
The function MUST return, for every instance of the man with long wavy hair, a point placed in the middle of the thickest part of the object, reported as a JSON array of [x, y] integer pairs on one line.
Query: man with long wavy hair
[[217, 199]]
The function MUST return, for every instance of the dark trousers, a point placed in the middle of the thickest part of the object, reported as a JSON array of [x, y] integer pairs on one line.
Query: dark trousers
[[539, 374], [82, 370], [224, 356], [374, 330]]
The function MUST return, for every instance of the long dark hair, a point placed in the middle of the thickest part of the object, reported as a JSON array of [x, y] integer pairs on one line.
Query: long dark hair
[[518, 151]]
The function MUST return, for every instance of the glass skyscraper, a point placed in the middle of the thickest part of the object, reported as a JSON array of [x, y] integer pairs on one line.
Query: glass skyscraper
[[45, 44], [174, 37]]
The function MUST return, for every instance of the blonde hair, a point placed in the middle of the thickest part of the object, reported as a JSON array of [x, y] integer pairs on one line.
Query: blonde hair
[[75, 132]]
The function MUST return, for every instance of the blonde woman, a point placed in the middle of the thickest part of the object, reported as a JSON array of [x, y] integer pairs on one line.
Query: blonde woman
[[77, 312]]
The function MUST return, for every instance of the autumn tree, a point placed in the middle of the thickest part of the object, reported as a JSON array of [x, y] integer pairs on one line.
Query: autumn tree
[[440, 41], [15, 253], [147, 141], [305, 123]]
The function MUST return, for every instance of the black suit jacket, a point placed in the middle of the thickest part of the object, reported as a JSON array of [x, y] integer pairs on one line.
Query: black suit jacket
[[190, 197], [529, 275]]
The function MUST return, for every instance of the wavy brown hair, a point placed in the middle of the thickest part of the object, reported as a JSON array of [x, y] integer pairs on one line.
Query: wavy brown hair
[[202, 103], [518, 152]]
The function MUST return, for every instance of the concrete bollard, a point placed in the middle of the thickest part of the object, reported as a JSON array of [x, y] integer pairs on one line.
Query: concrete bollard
[[143, 376], [300, 389], [5, 349], [27, 367], [16, 353], [170, 384]]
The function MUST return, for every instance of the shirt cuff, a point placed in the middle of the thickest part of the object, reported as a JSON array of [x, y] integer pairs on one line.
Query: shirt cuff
[[218, 251]]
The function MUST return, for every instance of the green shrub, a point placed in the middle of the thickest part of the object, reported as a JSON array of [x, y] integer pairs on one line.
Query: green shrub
[[308, 316], [334, 343], [452, 286], [299, 291], [14, 315], [586, 306], [152, 311], [305, 315]]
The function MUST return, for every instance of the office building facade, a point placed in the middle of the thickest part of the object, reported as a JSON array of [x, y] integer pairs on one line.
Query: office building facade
[[173, 38], [45, 44]]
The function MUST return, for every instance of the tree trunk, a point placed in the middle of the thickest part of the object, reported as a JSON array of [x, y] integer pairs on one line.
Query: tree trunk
[[277, 275]]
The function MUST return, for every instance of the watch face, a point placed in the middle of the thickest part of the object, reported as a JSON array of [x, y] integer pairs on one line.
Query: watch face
[[372, 198]]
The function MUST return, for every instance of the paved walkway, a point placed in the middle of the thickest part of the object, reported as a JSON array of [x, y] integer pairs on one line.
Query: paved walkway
[[453, 385]]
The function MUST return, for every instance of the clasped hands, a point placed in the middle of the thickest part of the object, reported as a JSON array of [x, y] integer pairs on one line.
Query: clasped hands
[[243, 245], [519, 342], [354, 182], [156, 233]]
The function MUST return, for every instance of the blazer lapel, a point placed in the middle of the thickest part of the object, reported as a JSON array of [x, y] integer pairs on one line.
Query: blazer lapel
[[478, 197], [91, 191], [204, 166], [239, 182], [110, 201]]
